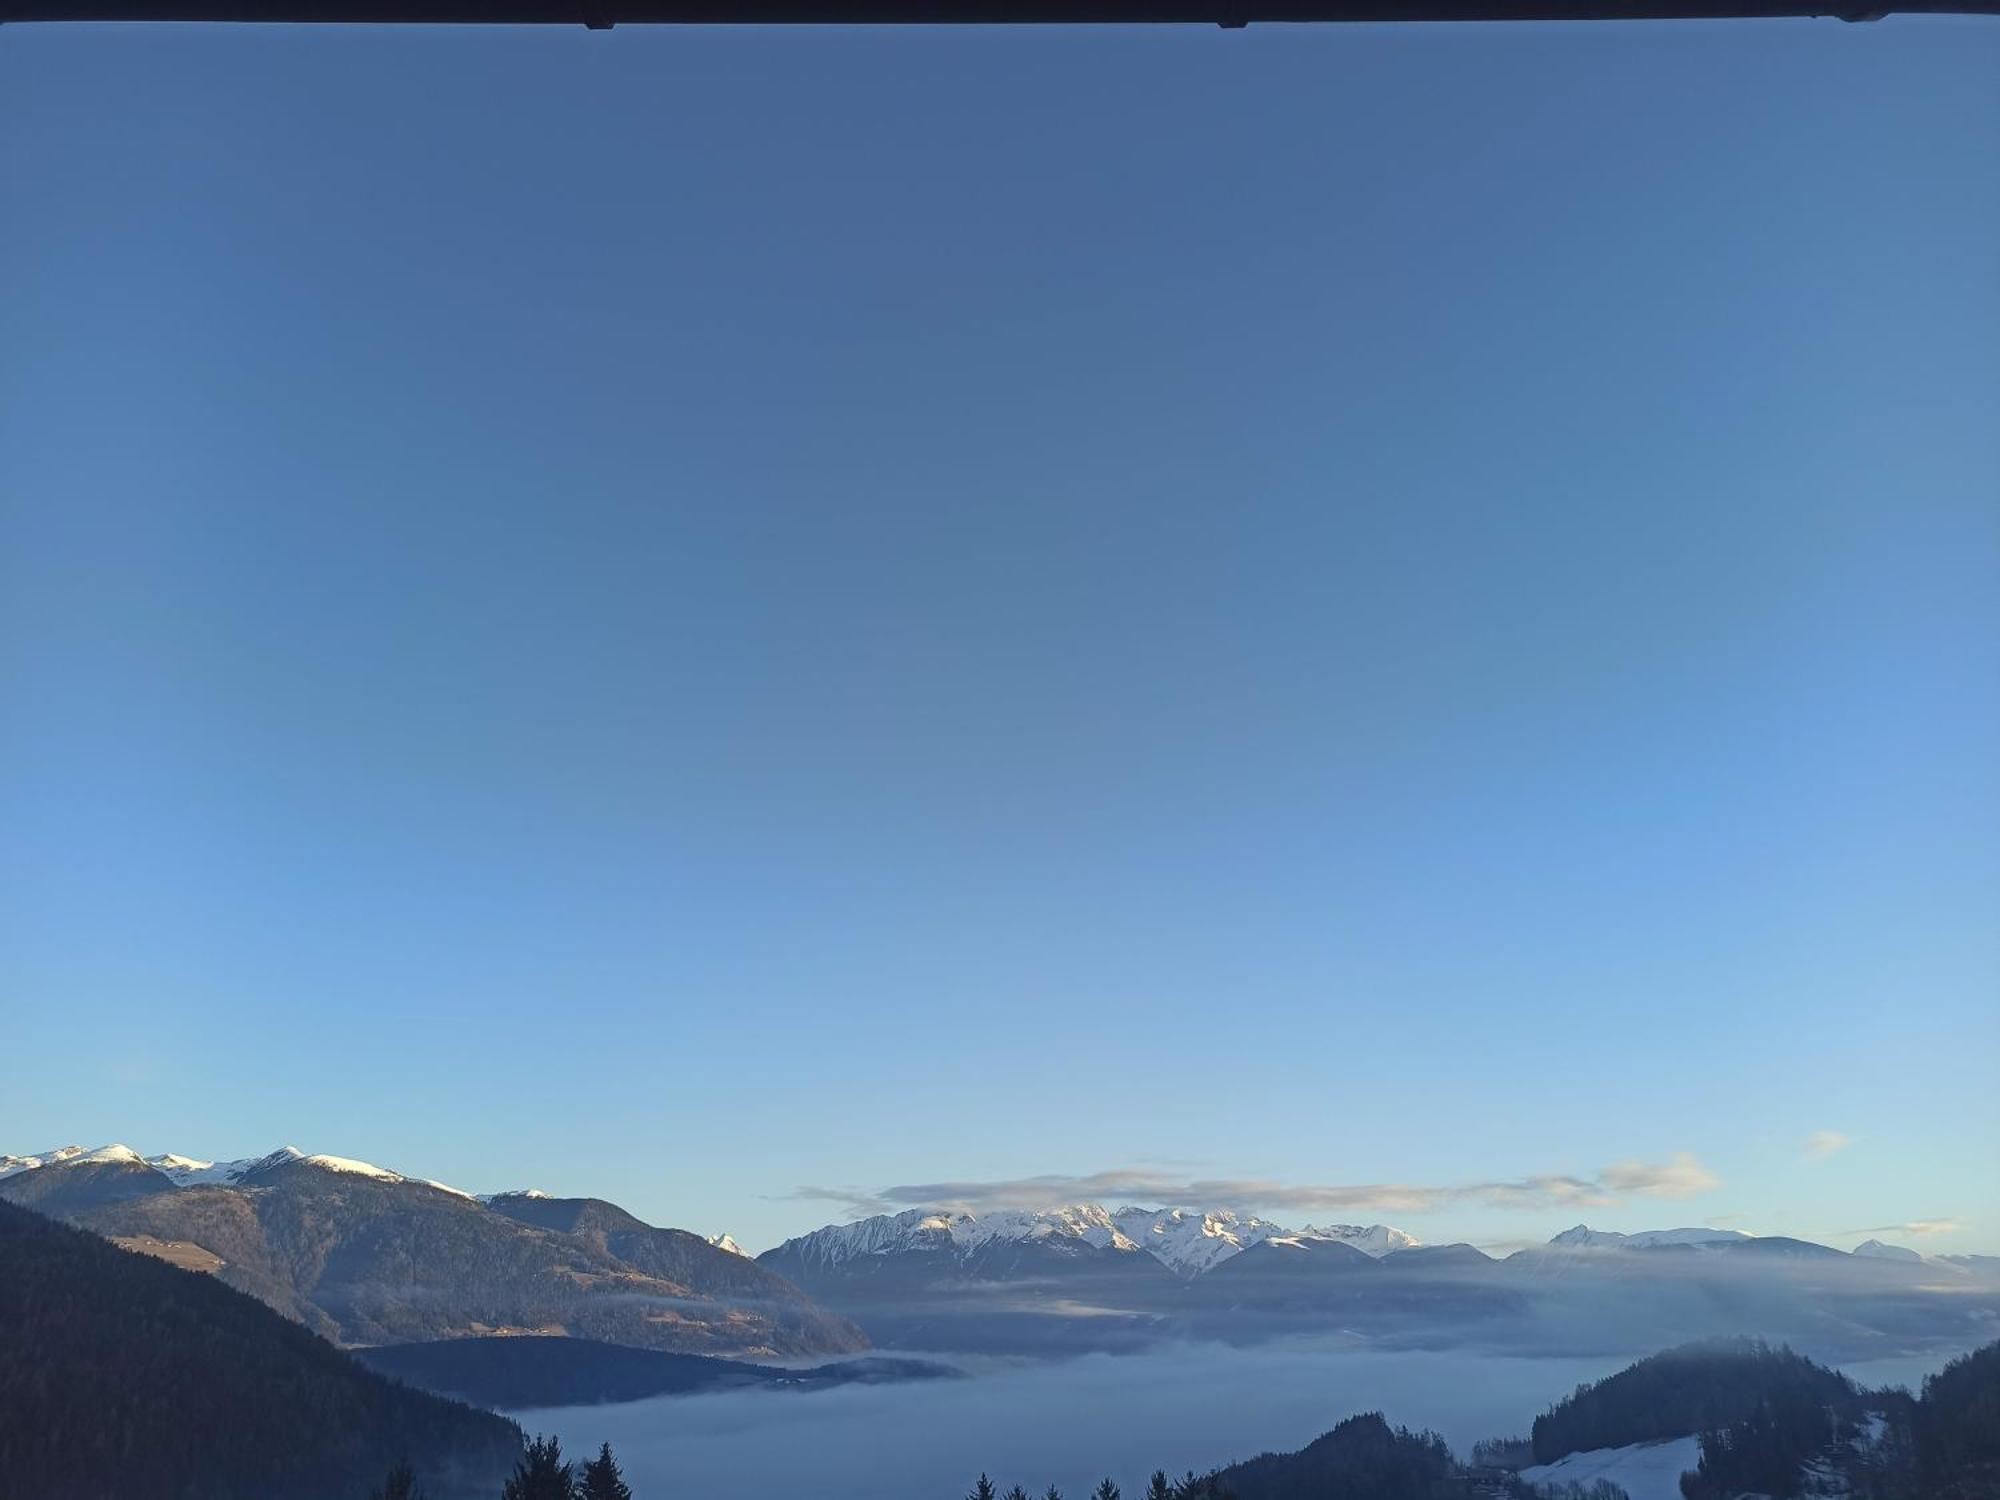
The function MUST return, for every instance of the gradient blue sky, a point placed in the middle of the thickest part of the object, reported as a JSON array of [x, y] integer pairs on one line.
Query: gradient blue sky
[[683, 614]]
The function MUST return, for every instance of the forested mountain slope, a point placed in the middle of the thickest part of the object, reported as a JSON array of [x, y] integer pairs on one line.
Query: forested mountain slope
[[122, 1376]]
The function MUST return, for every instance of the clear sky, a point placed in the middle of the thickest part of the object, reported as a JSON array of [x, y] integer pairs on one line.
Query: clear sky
[[688, 614]]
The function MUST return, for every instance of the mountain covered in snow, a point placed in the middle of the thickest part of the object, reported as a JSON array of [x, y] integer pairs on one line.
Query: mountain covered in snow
[[1583, 1237], [1186, 1241], [1877, 1250]]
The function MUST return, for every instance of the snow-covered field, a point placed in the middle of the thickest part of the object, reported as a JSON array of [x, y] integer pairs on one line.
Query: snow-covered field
[[1645, 1471]]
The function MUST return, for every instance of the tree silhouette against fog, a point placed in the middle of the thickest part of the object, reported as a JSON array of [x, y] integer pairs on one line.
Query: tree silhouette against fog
[[541, 1474], [601, 1480], [400, 1485]]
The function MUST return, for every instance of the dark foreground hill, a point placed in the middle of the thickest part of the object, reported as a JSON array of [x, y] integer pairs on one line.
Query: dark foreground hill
[[1364, 1458], [515, 1374], [122, 1376], [1691, 1389]]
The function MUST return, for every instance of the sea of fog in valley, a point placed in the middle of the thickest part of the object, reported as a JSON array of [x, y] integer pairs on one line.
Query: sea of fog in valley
[[1070, 1422]]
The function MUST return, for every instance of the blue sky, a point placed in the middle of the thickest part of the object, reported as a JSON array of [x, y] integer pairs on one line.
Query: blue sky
[[685, 615]]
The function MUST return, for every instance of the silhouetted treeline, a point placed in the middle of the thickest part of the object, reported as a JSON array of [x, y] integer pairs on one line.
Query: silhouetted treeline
[[1944, 1446], [540, 1473], [1696, 1388], [1764, 1452], [122, 1375], [1957, 1428], [1361, 1459]]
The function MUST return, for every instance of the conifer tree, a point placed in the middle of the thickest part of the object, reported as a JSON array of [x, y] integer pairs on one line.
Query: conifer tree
[[541, 1474], [1052, 1493], [400, 1485], [1105, 1490], [1016, 1493], [601, 1479], [1160, 1487], [983, 1490]]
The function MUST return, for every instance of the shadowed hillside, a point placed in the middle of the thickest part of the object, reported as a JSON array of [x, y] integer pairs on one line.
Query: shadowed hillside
[[121, 1376]]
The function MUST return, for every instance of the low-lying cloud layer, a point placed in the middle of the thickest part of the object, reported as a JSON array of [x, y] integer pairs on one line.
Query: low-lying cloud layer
[[1681, 1176]]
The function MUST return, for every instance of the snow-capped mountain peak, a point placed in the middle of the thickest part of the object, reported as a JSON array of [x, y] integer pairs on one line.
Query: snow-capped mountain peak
[[1377, 1240], [727, 1243], [1877, 1250], [67, 1155], [1583, 1237], [1188, 1241], [9, 1165], [195, 1171], [189, 1171], [958, 1233], [120, 1155]]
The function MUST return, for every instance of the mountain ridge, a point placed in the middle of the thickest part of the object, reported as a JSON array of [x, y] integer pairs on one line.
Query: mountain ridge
[[364, 1255]]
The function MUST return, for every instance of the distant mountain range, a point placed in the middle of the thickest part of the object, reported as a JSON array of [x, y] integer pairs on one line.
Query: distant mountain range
[[1087, 1276], [1193, 1242], [1186, 1241], [363, 1255]]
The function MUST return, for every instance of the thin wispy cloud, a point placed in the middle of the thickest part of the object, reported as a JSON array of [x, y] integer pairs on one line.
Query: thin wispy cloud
[[1824, 1143], [1681, 1176], [1916, 1227]]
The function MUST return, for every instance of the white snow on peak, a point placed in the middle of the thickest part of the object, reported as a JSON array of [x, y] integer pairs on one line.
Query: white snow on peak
[[1377, 1240], [1587, 1239], [195, 1171], [1187, 1241], [123, 1155], [1876, 1250], [958, 1233], [356, 1168], [1583, 1237], [9, 1165], [728, 1243], [512, 1193], [350, 1167], [189, 1171], [170, 1164]]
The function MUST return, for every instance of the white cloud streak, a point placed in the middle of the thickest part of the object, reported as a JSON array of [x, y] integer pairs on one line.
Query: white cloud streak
[[1681, 1176], [1916, 1227], [1824, 1143]]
